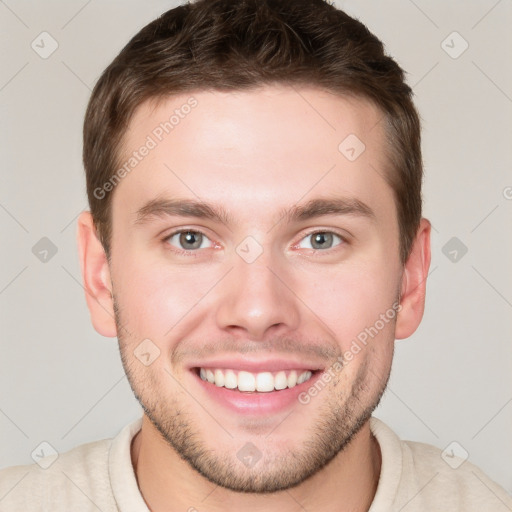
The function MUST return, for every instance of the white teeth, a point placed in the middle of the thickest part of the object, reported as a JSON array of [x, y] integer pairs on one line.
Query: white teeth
[[280, 381], [303, 377], [230, 379], [219, 378], [262, 382], [246, 381]]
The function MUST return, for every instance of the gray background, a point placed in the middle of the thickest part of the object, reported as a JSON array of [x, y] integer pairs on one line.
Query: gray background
[[63, 383]]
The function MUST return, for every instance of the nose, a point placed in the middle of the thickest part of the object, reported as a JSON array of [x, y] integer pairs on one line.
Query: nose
[[258, 298]]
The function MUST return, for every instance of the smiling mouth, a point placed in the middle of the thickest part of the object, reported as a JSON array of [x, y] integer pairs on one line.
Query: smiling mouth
[[249, 382]]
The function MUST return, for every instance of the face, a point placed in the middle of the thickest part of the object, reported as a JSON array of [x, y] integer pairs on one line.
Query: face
[[253, 248]]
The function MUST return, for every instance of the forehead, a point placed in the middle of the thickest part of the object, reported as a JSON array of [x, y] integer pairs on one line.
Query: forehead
[[255, 150]]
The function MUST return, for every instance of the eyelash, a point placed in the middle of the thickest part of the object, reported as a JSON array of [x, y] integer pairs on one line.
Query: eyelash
[[194, 253]]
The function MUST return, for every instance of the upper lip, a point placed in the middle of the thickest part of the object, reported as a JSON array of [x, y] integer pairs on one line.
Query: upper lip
[[257, 366]]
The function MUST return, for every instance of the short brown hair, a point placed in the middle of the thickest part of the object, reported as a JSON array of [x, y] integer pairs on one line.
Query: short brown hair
[[241, 44]]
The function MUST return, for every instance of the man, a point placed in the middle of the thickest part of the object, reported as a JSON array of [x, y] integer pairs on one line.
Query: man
[[256, 244]]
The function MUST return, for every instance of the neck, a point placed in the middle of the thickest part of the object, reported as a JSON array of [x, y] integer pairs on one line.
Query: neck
[[348, 482]]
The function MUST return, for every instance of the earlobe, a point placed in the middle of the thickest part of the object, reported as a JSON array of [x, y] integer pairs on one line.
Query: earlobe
[[414, 282], [96, 277]]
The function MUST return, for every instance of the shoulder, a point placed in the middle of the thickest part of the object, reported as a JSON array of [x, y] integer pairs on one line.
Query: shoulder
[[426, 478], [459, 483], [77, 476]]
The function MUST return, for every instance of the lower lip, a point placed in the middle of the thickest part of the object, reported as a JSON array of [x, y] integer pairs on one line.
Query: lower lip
[[256, 402]]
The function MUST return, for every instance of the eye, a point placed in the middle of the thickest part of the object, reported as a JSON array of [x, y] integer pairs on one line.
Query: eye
[[320, 240], [188, 240]]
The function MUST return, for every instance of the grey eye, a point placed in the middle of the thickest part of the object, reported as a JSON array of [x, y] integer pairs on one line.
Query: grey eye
[[320, 240], [188, 240]]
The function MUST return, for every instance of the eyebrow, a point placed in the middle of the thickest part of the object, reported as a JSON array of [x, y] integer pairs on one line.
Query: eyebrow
[[199, 209]]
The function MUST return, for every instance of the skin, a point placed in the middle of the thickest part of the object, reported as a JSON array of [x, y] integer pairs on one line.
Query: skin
[[256, 153]]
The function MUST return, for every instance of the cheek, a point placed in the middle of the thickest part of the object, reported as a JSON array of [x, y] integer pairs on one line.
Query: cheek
[[351, 300], [154, 297]]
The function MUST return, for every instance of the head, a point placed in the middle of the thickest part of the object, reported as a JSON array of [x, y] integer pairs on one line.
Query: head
[[254, 177]]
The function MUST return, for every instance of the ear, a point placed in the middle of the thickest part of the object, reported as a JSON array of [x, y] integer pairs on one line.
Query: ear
[[96, 277], [414, 283]]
